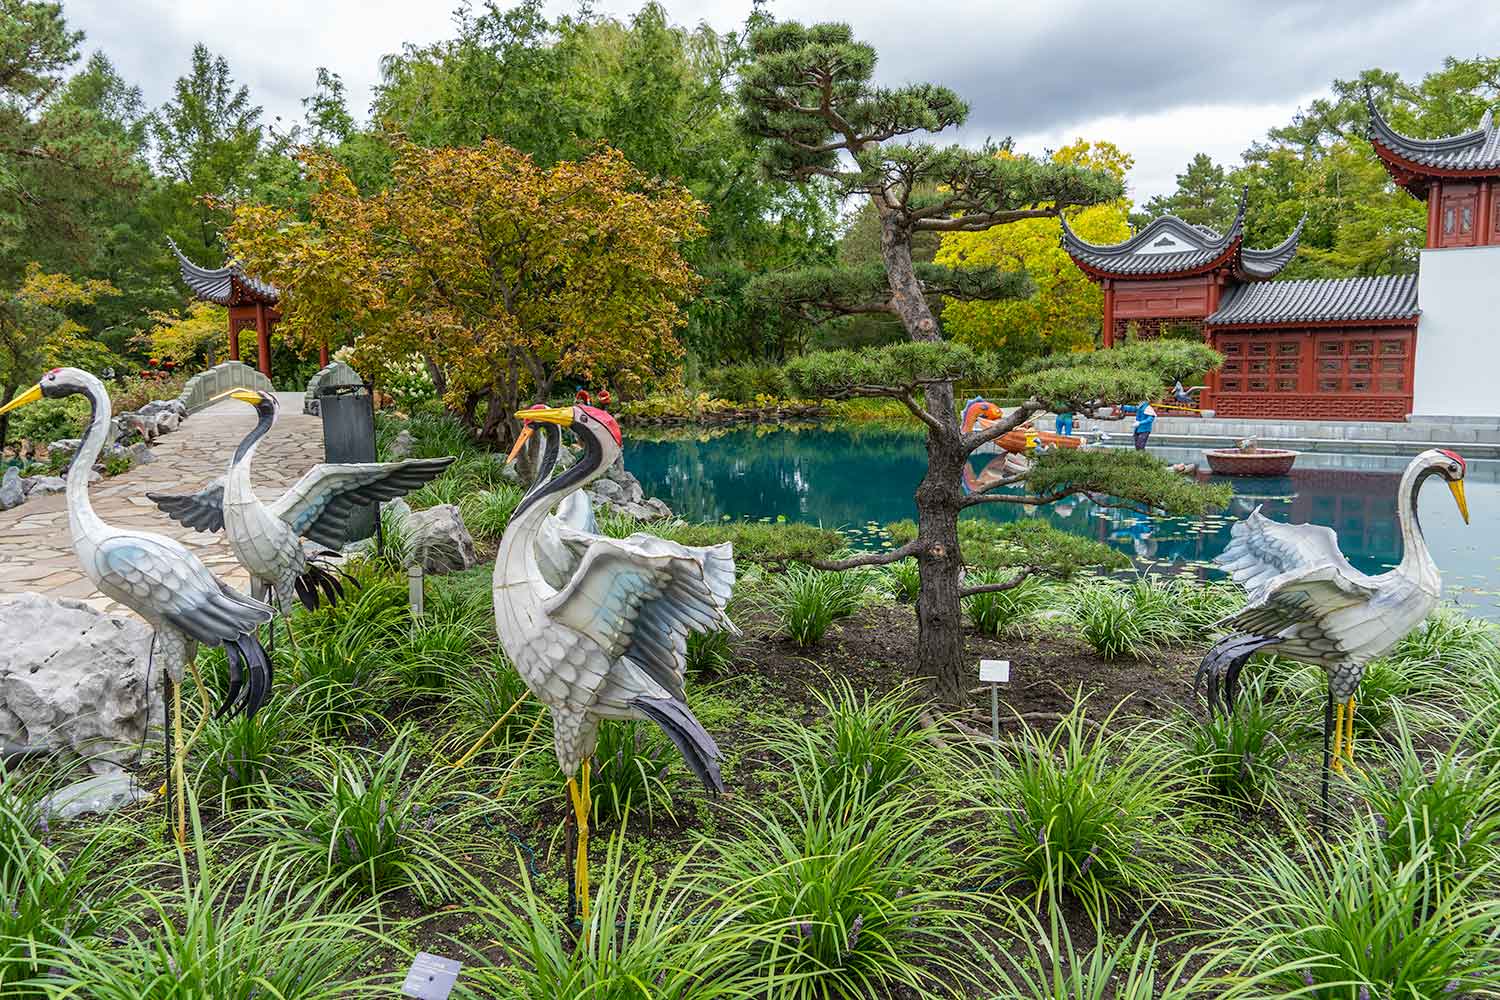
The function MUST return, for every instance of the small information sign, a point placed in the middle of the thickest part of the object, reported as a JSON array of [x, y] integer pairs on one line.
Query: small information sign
[[431, 977], [994, 671]]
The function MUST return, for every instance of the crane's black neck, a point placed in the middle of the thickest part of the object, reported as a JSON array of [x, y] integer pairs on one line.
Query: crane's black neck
[[584, 470], [267, 413]]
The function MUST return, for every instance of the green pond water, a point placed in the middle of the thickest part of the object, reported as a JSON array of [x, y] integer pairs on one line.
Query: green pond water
[[856, 480]]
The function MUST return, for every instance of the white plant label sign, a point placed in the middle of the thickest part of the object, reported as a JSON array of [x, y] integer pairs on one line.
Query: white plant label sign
[[994, 671], [431, 977]]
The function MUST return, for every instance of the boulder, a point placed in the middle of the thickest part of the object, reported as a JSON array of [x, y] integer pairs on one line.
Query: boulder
[[11, 493], [141, 453], [74, 678], [42, 486], [167, 421], [607, 489], [64, 446], [437, 540], [103, 793], [400, 446], [658, 507]]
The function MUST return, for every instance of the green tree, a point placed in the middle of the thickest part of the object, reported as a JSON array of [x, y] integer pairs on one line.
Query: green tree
[[1204, 196], [808, 96]]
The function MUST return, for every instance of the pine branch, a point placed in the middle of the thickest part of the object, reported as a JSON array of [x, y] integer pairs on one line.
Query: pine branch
[[995, 588], [911, 548]]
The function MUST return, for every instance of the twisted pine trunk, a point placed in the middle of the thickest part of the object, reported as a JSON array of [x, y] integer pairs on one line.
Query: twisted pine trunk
[[940, 637]]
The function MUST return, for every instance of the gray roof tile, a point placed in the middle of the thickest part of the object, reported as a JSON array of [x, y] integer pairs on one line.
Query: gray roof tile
[[1477, 151], [1322, 300], [217, 284]]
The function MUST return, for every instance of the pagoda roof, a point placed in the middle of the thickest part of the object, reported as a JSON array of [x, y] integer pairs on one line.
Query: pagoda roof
[[227, 285], [1469, 154], [1388, 298], [1171, 247]]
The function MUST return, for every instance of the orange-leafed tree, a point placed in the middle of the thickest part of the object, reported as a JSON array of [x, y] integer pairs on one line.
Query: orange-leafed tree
[[501, 275], [1064, 312]]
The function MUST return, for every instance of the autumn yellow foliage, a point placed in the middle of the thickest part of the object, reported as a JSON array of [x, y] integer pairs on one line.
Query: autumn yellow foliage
[[201, 334], [503, 276], [1064, 313]]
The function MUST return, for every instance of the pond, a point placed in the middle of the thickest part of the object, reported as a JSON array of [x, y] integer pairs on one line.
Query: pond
[[857, 479]]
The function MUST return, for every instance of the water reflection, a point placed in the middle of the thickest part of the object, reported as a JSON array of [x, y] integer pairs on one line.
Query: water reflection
[[857, 479]]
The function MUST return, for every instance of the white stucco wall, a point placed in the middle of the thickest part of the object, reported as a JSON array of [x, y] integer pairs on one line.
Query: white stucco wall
[[1458, 334]]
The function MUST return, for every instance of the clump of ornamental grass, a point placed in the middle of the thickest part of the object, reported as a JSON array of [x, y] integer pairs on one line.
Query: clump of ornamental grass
[[804, 602], [1389, 688], [1005, 612], [877, 744], [1446, 808], [1451, 641], [366, 822], [48, 897], [846, 895], [632, 772], [648, 936], [1200, 605], [1237, 756], [487, 513], [903, 580], [486, 691], [240, 759], [423, 656], [1106, 619], [210, 935], [1089, 808], [1337, 920], [709, 652]]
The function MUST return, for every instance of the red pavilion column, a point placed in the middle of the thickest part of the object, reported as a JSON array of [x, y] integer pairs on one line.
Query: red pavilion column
[[263, 339], [234, 339], [1109, 313], [323, 354], [1434, 213]]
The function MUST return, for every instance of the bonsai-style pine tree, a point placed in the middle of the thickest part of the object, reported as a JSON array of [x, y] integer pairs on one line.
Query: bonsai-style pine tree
[[808, 94]]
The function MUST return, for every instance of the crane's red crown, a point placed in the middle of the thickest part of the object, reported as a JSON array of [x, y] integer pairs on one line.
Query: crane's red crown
[[594, 413]]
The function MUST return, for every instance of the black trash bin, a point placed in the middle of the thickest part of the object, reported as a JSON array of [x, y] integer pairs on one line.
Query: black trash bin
[[348, 415]]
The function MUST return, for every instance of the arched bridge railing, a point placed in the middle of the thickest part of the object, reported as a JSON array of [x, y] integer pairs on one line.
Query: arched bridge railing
[[327, 377], [204, 386]]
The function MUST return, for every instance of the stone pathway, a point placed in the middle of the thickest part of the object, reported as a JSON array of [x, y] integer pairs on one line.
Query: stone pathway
[[36, 552]]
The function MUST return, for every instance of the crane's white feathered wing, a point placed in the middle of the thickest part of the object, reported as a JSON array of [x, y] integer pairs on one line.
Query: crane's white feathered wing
[[319, 505], [557, 557], [638, 598], [1302, 589]]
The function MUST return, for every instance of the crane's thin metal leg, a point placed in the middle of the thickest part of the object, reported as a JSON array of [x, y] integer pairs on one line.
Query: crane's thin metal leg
[[571, 844], [208, 707], [490, 731], [166, 731], [1327, 758]]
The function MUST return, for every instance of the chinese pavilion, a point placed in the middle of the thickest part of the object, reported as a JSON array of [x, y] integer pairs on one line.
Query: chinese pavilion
[[251, 302], [1331, 349]]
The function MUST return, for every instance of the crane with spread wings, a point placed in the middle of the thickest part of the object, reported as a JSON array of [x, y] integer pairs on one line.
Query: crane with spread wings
[[267, 537], [1307, 602]]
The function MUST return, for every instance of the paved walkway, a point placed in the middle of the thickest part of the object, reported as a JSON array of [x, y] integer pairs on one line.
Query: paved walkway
[[36, 552]]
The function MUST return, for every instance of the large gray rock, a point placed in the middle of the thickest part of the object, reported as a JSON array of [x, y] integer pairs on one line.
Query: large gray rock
[[400, 446], [167, 421], [11, 493], [607, 489], [103, 793], [72, 677], [437, 540], [141, 453], [42, 486]]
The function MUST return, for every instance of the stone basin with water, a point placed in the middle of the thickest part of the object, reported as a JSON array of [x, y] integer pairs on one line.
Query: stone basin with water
[[856, 479]]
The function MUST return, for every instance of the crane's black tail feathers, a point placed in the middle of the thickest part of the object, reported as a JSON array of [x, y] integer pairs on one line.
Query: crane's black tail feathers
[[1221, 666], [321, 582], [250, 676], [687, 733]]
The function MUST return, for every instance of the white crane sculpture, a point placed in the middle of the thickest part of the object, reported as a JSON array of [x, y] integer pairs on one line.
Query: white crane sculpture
[[610, 641], [267, 538], [1308, 603], [160, 580]]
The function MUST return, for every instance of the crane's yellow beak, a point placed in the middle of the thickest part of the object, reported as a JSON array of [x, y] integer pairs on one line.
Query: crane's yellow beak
[[243, 395], [562, 416], [29, 396], [1456, 485], [526, 431]]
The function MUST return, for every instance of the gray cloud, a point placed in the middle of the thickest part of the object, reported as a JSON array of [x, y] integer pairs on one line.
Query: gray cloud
[[1167, 79]]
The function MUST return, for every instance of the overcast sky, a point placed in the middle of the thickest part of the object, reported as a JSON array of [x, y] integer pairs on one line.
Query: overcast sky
[[1161, 79]]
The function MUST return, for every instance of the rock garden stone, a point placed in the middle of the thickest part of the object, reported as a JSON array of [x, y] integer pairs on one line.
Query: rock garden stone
[[42, 486], [166, 422], [400, 446], [437, 540], [11, 493], [103, 793], [74, 678], [607, 489]]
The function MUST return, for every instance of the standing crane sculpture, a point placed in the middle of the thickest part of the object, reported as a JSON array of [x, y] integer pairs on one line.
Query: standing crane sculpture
[[267, 538], [610, 642], [160, 580], [1308, 603]]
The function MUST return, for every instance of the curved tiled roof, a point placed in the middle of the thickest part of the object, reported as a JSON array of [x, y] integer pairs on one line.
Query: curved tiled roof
[[218, 284], [1200, 246], [1323, 300], [1149, 252], [1475, 151]]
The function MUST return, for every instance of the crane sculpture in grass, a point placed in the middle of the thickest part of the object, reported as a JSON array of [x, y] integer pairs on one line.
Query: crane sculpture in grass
[[606, 638], [1308, 603], [160, 580], [267, 538]]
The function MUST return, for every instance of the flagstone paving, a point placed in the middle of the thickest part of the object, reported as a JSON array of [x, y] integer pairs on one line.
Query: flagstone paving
[[36, 552]]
